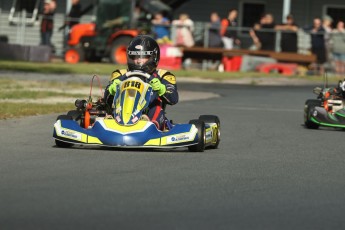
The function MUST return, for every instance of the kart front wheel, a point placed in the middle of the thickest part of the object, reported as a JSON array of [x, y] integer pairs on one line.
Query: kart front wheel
[[59, 143], [200, 146], [308, 108], [212, 119]]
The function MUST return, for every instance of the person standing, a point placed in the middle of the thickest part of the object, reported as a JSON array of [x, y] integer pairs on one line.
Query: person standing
[[47, 22], [318, 45], [160, 26], [183, 31], [214, 37], [228, 30], [288, 42], [263, 33], [73, 16], [338, 48], [327, 26]]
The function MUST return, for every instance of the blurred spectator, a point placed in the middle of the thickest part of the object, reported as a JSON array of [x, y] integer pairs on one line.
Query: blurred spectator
[[338, 48], [288, 42], [327, 26], [73, 16], [138, 16], [318, 46], [47, 22], [161, 26], [214, 37], [263, 33], [183, 31], [228, 30]]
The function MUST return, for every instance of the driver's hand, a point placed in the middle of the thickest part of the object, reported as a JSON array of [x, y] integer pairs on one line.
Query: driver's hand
[[112, 88], [157, 85]]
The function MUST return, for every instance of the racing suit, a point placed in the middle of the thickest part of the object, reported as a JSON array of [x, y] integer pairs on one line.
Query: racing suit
[[156, 109]]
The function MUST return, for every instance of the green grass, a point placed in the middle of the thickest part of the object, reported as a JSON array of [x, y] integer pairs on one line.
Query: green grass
[[26, 94], [58, 66], [26, 89], [11, 110], [20, 89]]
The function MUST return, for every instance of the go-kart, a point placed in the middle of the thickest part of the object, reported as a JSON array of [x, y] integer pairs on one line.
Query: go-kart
[[327, 110], [125, 124]]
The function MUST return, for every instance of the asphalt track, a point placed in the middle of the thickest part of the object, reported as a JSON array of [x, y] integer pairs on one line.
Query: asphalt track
[[268, 173]]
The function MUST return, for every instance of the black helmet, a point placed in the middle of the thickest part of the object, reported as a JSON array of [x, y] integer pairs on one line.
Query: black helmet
[[143, 46]]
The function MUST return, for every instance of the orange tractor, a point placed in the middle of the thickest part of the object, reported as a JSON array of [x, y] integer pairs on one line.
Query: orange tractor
[[116, 23]]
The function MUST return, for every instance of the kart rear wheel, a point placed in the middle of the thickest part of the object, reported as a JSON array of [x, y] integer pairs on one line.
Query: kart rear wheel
[[200, 146], [118, 51], [308, 107], [59, 143], [212, 119], [76, 115]]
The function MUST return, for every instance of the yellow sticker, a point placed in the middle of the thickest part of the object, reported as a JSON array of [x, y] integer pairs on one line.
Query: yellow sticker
[[170, 78]]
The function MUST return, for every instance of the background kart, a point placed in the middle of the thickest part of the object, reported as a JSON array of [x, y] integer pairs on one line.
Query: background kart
[[327, 110], [127, 127]]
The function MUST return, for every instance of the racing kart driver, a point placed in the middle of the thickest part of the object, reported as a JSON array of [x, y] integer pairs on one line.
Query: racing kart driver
[[143, 54]]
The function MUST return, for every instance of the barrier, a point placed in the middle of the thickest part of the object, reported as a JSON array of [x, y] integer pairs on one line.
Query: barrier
[[170, 57], [25, 53], [283, 68], [173, 63], [232, 64]]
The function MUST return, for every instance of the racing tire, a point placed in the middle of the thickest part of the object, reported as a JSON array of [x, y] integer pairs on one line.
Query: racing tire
[[118, 50], [59, 143], [200, 146], [76, 116], [308, 107], [74, 55], [212, 119]]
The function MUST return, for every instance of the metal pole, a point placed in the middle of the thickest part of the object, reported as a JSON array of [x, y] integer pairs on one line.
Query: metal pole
[[23, 25], [286, 9], [0, 23], [206, 34], [66, 29]]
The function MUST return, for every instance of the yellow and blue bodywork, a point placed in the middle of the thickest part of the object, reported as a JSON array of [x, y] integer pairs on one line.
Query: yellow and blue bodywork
[[107, 132]]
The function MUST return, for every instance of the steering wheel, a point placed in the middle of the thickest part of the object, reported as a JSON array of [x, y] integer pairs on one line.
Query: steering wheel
[[144, 76]]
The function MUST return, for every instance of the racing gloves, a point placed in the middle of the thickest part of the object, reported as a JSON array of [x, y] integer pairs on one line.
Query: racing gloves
[[158, 86], [112, 88]]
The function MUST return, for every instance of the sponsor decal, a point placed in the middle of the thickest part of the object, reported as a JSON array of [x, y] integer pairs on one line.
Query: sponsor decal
[[170, 78], [178, 138], [140, 53], [132, 84], [209, 134], [71, 134], [139, 47]]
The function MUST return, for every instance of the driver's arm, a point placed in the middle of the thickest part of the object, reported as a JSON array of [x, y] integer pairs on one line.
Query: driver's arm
[[171, 95]]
